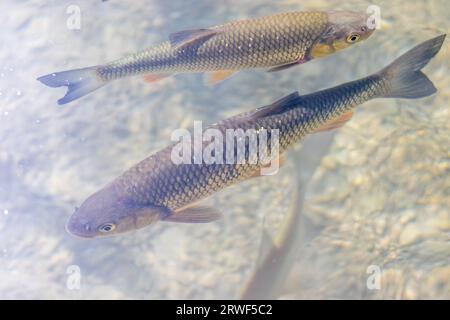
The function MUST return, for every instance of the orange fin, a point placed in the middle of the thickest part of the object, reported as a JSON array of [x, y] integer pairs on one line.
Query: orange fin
[[216, 77], [194, 214], [259, 172], [336, 123], [155, 77]]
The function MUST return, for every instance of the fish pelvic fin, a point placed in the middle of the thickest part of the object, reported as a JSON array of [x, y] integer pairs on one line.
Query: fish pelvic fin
[[404, 76], [187, 38], [265, 170], [194, 214], [216, 77], [79, 82], [155, 77]]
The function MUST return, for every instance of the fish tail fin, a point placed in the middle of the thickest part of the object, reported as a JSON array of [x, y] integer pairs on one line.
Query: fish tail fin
[[405, 80], [79, 82]]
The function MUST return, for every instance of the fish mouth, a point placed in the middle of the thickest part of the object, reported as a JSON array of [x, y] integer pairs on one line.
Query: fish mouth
[[70, 229]]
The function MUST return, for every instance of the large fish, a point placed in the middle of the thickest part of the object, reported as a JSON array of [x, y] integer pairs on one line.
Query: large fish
[[274, 42], [159, 189]]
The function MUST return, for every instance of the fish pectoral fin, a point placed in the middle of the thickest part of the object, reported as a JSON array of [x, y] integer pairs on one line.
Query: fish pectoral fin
[[336, 123], [216, 77], [186, 38], [282, 67], [194, 214], [287, 66], [155, 77]]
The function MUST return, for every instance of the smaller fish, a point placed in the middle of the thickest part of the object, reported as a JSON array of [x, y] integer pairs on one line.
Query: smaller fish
[[158, 189], [274, 42]]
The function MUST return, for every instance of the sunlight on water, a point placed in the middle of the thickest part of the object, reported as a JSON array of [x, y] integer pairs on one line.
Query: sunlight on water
[[375, 197]]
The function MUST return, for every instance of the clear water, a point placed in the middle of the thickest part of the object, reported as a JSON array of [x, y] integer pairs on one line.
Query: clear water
[[373, 196]]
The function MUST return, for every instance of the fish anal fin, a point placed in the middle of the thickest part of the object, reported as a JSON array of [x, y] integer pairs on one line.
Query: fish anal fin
[[216, 77], [194, 214], [186, 38], [277, 107], [155, 77], [267, 169], [336, 123]]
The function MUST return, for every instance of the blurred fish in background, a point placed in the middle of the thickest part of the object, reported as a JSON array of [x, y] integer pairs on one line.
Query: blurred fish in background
[[277, 255]]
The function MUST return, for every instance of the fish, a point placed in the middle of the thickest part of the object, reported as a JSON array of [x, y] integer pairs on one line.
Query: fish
[[274, 42], [160, 189]]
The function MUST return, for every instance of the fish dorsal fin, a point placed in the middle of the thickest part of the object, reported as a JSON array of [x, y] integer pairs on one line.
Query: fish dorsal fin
[[194, 214], [336, 123], [277, 107], [187, 38]]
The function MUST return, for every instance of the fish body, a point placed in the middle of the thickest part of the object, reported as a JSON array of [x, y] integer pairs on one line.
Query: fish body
[[159, 189], [273, 42], [258, 43]]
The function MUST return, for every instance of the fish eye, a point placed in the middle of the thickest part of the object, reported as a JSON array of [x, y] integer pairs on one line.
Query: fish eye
[[107, 227], [353, 38]]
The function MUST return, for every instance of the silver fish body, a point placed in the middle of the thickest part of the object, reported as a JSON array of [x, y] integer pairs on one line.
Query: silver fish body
[[257, 43], [273, 42]]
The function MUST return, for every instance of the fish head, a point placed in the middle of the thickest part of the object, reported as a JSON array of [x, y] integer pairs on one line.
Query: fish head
[[345, 28], [107, 213]]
